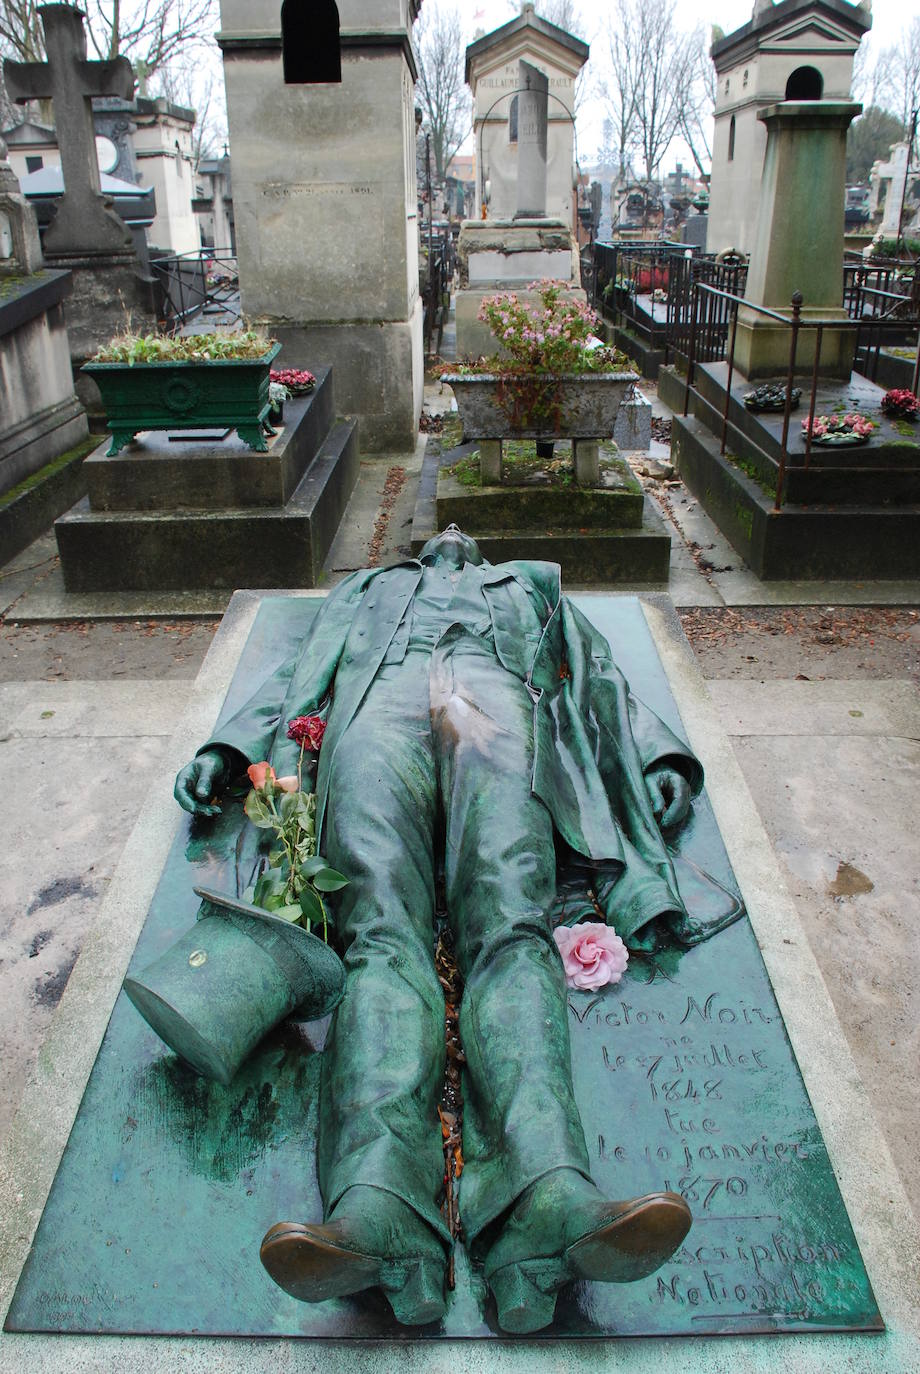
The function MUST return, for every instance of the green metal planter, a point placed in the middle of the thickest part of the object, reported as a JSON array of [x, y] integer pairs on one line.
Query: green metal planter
[[220, 394], [229, 980]]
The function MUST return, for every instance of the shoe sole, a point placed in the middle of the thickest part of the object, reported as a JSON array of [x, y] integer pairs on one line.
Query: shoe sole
[[310, 1268], [634, 1244]]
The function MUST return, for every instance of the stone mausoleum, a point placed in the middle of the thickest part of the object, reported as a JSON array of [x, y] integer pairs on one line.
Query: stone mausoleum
[[796, 50]]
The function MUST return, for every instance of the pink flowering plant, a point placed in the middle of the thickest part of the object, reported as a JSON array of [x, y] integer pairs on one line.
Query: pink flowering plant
[[297, 879], [852, 428], [553, 334], [543, 342], [296, 381], [901, 404], [593, 955]]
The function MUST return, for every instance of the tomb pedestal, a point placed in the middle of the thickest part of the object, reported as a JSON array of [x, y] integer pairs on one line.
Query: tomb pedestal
[[505, 255], [799, 240], [176, 511], [325, 206]]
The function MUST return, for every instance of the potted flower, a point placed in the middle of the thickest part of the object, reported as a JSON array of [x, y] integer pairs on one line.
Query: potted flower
[[297, 381], [900, 404], [839, 431], [277, 395], [194, 381], [555, 378], [250, 961]]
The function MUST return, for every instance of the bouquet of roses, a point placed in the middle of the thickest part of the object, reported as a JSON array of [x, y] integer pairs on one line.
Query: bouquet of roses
[[297, 380], [901, 404], [297, 878], [839, 429]]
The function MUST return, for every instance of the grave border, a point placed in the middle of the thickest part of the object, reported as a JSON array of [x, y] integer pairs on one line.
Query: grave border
[[885, 1227]]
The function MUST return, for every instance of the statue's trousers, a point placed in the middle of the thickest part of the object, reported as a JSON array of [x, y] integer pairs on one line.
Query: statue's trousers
[[440, 756]]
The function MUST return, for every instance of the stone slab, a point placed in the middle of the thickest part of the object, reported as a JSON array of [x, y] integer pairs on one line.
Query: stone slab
[[632, 428], [887, 1231], [162, 550], [840, 708], [156, 474], [509, 268], [685, 1079], [30, 507]]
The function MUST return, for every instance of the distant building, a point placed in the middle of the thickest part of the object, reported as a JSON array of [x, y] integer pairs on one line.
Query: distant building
[[796, 50], [213, 203], [148, 142]]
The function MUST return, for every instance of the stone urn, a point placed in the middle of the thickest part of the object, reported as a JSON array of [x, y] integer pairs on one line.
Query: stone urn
[[581, 406]]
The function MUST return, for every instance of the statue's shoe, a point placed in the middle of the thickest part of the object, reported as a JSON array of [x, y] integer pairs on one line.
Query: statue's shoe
[[390, 1247], [563, 1229]]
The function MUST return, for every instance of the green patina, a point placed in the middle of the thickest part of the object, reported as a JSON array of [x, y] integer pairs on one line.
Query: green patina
[[36, 479], [904, 427], [683, 1074], [745, 518]]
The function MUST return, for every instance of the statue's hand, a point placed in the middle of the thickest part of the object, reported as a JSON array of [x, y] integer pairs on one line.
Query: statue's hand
[[669, 792], [200, 780]]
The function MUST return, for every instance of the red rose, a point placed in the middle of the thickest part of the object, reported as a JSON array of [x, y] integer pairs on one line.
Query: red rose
[[307, 731]]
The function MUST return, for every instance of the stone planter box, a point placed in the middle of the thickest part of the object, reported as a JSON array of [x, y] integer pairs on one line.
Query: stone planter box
[[578, 406], [223, 394]]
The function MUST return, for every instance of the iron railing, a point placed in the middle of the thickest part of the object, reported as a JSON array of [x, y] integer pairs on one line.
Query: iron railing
[[204, 281], [706, 347]]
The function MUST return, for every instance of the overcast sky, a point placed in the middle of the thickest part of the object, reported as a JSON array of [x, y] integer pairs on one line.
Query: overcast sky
[[889, 20]]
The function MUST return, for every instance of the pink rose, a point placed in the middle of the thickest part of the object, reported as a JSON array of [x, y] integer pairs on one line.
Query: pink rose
[[592, 954], [260, 774], [288, 784]]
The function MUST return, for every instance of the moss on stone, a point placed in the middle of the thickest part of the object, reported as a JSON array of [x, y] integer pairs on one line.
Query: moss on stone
[[35, 479], [753, 471]]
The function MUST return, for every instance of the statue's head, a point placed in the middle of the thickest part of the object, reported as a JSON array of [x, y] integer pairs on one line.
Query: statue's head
[[453, 546]]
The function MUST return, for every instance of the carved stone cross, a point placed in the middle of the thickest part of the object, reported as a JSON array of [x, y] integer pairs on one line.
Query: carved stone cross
[[84, 221]]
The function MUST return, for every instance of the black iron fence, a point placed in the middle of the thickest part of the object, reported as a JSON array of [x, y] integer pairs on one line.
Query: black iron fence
[[203, 282], [706, 346]]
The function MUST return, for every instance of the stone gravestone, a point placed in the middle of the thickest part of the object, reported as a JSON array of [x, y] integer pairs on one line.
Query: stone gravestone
[[86, 236], [40, 417], [533, 113]]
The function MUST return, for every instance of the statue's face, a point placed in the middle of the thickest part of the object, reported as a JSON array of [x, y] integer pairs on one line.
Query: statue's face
[[454, 547]]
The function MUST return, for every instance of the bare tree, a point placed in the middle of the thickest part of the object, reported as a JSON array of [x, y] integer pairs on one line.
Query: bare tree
[[653, 86], [619, 89], [441, 90], [899, 88], [697, 98], [565, 14], [150, 33]]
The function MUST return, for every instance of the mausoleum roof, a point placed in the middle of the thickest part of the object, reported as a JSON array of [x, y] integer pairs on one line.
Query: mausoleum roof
[[841, 14], [26, 134], [528, 19]]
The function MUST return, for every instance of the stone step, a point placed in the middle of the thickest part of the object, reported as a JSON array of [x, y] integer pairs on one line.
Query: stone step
[[541, 508], [164, 472], [282, 546], [819, 541], [589, 558], [888, 450], [845, 486]]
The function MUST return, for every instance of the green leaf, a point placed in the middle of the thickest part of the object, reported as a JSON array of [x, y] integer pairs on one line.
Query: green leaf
[[269, 886], [310, 905], [288, 806], [316, 864], [276, 857], [258, 812], [290, 912], [329, 880]]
